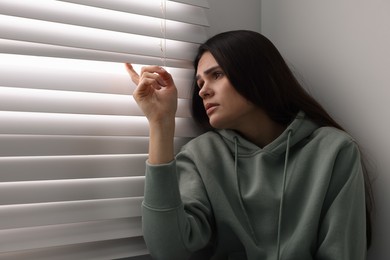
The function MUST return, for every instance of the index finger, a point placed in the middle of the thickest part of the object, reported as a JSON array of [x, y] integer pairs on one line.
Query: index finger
[[133, 74]]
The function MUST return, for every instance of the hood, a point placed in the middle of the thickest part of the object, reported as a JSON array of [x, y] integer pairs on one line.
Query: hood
[[299, 129]]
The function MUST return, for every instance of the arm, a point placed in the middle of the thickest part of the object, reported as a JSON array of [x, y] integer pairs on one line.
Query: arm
[[173, 226], [342, 234], [156, 95]]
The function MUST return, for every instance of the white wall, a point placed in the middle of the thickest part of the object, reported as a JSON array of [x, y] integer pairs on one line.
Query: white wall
[[226, 15], [341, 48]]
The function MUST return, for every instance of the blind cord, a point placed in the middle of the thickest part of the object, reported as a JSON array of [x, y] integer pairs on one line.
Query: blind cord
[[163, 40]]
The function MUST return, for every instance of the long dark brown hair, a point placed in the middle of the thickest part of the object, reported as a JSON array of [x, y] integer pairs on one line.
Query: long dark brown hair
[[259, 73]]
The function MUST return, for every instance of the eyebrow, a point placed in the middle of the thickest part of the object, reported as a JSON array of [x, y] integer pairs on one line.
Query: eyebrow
[[208, 71]]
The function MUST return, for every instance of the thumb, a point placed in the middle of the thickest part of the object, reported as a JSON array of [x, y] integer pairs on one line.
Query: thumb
[[166, 76]]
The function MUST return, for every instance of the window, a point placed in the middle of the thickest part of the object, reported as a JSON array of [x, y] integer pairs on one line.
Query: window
[[73, 143]]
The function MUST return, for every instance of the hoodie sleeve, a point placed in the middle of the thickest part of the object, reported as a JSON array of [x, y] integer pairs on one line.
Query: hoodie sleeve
[[175, 223], [342, 233]]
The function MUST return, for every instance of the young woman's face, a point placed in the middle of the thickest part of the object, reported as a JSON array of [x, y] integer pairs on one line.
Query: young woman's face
[[225, 107]]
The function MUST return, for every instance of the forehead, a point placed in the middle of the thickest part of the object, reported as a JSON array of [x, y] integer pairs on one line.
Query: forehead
[[206, 65], [206, 61]]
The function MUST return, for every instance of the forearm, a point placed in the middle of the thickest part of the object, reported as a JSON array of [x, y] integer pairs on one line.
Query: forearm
[[156, 95], [161, 142], [161, 209], [170, 231]]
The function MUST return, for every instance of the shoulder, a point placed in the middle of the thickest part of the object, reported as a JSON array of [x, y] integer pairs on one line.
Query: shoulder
[[204, 140], [204, 147], [338, 145], [332, 144], [333, 137]]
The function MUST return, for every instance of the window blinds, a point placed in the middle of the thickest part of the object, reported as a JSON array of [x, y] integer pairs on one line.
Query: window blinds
[[73, 143]]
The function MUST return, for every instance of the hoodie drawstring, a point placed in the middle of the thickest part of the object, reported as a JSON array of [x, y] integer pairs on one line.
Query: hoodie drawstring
[[282, 195], [235, 153], [281, 204]]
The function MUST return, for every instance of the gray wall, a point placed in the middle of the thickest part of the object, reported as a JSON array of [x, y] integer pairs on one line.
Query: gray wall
[[226, 15], [341, 49]]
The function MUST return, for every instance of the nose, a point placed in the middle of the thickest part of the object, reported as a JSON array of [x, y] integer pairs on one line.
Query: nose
[[205, 91]]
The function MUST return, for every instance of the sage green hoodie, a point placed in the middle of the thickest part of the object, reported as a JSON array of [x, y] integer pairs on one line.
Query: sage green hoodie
[[300, 197]]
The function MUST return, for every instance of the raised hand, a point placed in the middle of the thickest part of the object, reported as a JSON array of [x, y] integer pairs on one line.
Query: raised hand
[[156, 93]]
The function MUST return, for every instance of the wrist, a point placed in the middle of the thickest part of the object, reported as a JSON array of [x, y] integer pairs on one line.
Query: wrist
[[162, 126], [161, 142]]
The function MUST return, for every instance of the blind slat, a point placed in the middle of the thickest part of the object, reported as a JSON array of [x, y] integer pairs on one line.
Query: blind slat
[[175, 11], [71, 167], [70, 190], [82, 76], [201, 3], [56, 213], [86, 16], [38, 49], [89, 125], [50, 145], [31, 30], [33, 100], [68, 234], [133, 248]]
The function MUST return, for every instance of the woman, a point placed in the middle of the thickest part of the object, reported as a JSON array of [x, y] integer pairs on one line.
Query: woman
[[275, 177]]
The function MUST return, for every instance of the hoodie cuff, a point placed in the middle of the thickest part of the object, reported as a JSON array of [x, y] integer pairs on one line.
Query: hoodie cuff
[[161, 187]]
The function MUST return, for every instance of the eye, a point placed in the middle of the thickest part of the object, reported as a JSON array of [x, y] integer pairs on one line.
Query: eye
[[217, 74]]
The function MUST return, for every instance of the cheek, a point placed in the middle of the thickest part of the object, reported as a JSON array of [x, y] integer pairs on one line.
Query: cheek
[[236, 101], [241, 108]]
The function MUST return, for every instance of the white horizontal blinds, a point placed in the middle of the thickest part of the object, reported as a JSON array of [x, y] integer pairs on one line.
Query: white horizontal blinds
[[104, 34], [73, 143]]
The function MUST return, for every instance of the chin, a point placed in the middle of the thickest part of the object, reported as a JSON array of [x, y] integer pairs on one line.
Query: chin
[[217, 125]]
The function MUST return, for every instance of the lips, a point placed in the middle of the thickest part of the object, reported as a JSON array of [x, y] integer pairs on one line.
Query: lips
[[210, 107]]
